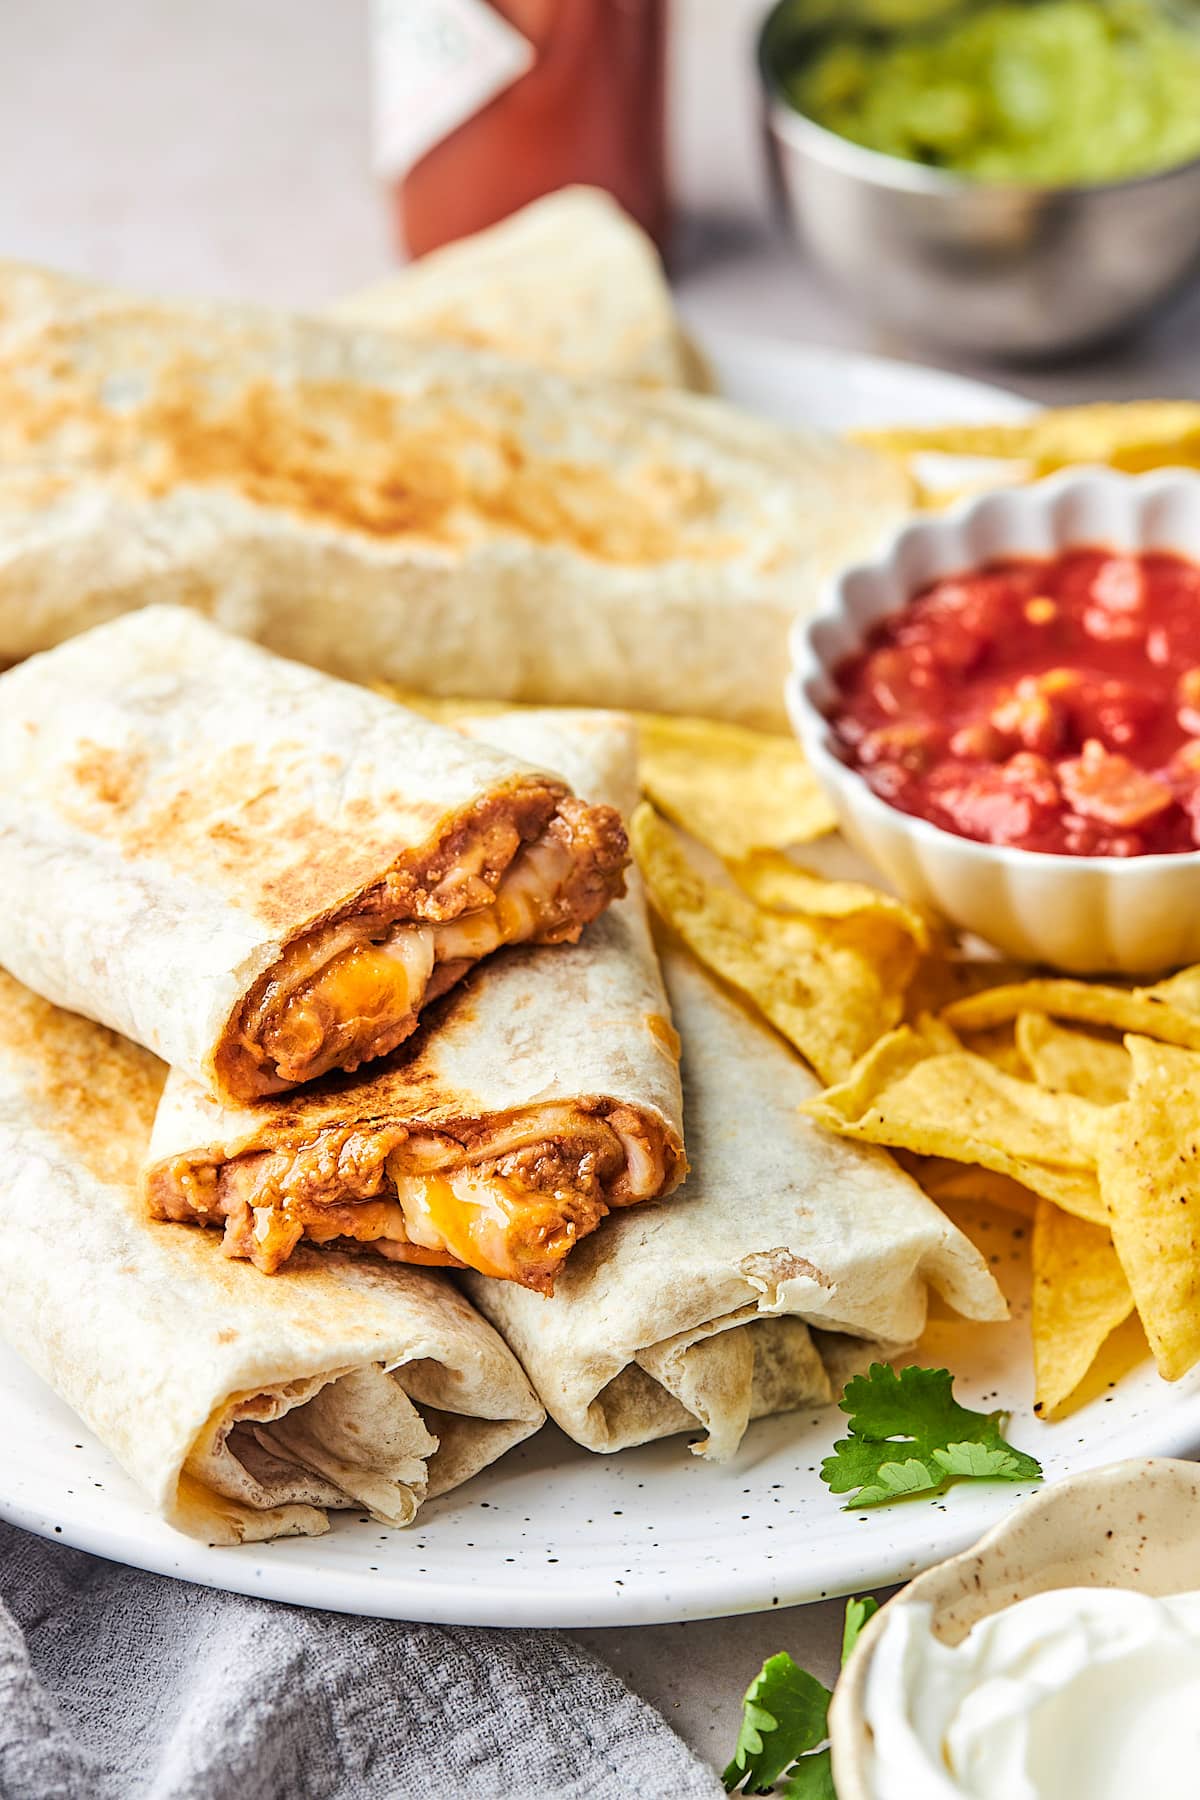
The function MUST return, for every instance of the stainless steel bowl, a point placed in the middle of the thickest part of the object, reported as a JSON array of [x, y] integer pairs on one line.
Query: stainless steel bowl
[[1000, 271]]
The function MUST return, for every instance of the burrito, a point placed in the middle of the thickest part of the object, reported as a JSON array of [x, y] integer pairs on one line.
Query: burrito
[[540, 1095], [570, 282], [419, 513], [747, 1293], [244, 1409], [257, 872]]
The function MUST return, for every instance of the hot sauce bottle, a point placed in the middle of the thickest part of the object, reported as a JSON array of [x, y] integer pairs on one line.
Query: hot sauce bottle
[[484, 105]]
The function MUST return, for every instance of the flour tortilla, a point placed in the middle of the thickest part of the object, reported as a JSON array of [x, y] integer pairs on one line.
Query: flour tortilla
[[570, 283], [176, 806], [696, 1314], [416, 513], [567, 1025], [245, 1409]]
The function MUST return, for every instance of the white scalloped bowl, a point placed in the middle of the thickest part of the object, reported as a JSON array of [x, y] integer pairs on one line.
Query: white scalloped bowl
[[1132, 915], [1130, 1525]]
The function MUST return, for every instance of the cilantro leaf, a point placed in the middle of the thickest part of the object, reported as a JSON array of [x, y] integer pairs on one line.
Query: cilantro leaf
[[858, 1613], [784, 1715], [811, 1779], [784, 1718], [909, 1435]]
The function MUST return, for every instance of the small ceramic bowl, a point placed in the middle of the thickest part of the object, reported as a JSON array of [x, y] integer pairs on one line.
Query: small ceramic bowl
[[1086, 914], [1133, 1525]]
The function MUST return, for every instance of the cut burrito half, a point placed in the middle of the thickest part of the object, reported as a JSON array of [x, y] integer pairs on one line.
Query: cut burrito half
[[258, 872], [540, 1095], [569, 282], [696, 1316], [244, 1409], [425, 514]]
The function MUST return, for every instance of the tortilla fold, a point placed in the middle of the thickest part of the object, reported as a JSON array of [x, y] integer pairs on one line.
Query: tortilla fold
[[696, 1315], [543, 1092], [569, 282], [418, 513], [258, 872], [244, 1409]]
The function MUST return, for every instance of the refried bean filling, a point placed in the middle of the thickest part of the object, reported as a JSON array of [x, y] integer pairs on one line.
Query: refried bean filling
[[354, 989], [512, 1203]]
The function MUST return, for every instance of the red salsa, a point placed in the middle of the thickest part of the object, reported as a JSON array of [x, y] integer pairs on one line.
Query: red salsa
[[1053, 704]]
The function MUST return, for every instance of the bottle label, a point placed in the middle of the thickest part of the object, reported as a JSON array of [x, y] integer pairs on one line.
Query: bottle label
[[433, 64]]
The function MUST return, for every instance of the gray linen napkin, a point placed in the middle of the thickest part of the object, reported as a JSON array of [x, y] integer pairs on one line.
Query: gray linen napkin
[[117, 1685]]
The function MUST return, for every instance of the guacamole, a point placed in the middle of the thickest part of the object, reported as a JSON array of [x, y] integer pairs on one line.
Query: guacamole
[[1045, 92]]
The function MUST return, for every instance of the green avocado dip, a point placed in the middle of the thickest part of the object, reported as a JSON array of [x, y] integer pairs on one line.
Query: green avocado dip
[[1035, 91]]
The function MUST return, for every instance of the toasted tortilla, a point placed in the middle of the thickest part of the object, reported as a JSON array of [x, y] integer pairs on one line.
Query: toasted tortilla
[[180, 812], [695, 1315], [410, 512], [581, 1028], [244, 1409], [570, 283]]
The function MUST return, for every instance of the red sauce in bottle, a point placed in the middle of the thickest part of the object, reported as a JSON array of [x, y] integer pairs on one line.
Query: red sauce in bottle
[[590, 109]]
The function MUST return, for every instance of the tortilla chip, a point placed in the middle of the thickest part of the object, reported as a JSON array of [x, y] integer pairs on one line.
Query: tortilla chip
[[1150, 1178], [1144, 434], [772, 880], [918, 1089], [1000, 1048], [733, 789], [1153, 1012], [963, 1184], [940, 980], [1073, 1062], [1080, 1296], [1181, 991], [829, 986]]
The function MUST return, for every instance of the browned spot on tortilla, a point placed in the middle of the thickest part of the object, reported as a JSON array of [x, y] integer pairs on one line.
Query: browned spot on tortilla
[[111, 776], [664, 1035], [241, 819], [92, 1089], [228, 1336], [435, 466]]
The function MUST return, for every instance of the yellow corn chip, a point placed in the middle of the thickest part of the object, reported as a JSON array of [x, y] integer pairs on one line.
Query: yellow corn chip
[[830, 986], [1080, 1296], [1073, 1062], [999, 1047], [733, 789], [774, 881], [1149, 1011], [1181, 990], [918, 1089], [958, 1184], [940, 980], [1149, 1162], [1144, 434]]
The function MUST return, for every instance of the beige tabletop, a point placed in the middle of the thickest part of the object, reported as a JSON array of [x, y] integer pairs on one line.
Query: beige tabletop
[[220, 147]]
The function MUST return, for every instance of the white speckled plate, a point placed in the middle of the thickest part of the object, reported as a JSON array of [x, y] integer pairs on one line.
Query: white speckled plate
[[553, 1536]]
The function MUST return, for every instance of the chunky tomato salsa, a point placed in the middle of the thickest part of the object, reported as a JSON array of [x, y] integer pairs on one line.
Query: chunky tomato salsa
[[1051, 704]]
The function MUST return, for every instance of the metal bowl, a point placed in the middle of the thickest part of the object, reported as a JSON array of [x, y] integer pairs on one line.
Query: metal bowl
[[1002, 271]]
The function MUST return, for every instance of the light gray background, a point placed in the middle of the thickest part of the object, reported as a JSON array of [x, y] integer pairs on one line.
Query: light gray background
[[220, 147]]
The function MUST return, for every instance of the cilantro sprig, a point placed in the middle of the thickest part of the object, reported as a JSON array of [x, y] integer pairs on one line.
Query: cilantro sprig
[[910, 1436], [784, 1727]]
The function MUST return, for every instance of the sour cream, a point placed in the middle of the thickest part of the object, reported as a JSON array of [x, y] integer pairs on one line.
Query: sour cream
[[1076, 1694]]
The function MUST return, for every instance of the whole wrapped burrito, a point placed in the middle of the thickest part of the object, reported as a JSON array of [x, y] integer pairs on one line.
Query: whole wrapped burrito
[[410, 512], [244, 1408], [541, 1094], [695, 1315], [258, 872]]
